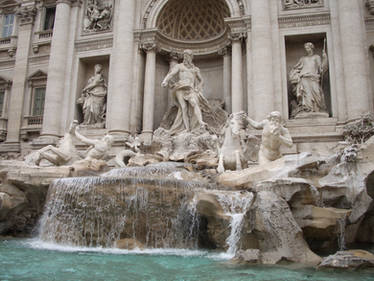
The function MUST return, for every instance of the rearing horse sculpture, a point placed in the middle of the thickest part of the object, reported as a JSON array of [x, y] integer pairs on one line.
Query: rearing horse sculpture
[[231, 155]]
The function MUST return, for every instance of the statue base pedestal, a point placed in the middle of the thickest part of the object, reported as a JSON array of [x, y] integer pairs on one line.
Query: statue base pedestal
[[312, 115]]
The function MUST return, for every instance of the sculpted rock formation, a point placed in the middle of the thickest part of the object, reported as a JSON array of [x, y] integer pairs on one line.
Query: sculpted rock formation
[[352, 259]]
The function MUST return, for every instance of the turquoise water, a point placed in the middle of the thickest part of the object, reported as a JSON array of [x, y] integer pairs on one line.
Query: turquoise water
[[32, 260]]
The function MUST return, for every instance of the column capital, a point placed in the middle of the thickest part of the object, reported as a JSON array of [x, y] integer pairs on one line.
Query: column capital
[[175, 55], [149, 46], [237, 36], [224, 51], [26, 14]]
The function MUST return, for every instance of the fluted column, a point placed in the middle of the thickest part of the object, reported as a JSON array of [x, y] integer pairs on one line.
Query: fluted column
[[262, 60], [149, 92], [236, 73], [56, 71], [26, 16], [226, 55], [354, 56], [121, 72]]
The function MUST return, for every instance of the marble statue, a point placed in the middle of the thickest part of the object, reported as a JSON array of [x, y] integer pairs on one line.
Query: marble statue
[[301, 3], [187, 92], [305, 78], [93, 99], [99, 148], [273, 136], [62, 154], [231, 154], [122, 157], [98, 17]]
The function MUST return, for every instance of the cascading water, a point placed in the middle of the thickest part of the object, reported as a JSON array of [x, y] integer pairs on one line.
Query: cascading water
[[235, 205], [98, 211], [341, 232]]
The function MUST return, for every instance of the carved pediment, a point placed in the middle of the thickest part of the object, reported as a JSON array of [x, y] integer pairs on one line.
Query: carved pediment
[[37, 77], [5, 84]]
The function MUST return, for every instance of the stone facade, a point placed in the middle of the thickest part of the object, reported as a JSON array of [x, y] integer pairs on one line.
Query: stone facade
[[245, 50]]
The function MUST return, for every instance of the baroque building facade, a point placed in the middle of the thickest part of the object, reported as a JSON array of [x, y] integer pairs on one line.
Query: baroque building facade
[[102, 62]]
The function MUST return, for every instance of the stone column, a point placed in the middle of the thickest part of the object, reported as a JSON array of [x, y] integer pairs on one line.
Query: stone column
[[354, 57], [149, 92], [173, 60], [121, 74], [226, 55], [236, 73], [262, 59], [26, 16], [56, 73]]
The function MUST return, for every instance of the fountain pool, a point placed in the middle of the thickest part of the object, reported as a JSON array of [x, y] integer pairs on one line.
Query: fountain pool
[[30, 259]]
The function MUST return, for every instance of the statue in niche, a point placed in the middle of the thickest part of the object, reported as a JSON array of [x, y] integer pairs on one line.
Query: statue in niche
[[187, 92], [93, 99], [62, 154], [98, 16], [274, 134], [306, 80]]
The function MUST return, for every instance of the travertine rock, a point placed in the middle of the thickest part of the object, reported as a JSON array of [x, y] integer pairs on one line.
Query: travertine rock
[[279, 236], [349, 259], [129, 244], [249, 256]]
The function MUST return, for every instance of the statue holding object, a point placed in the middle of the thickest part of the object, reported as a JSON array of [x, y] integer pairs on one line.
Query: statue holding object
[[93, 99], [306, 80]]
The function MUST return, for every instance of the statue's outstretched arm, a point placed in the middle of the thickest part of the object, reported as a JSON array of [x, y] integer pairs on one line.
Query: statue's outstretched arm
[[170, 75], [255, 124], [286, 137], [83, 138]]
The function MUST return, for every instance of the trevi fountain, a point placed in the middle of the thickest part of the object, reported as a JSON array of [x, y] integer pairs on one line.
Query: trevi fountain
[[186, 140]]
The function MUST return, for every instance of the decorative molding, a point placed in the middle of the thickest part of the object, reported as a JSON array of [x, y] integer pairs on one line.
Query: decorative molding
[[165, 45], [370, 6], [238, 27], [302, 4], [26, 14], [94, 44], [224, 51], [147, 12], [5, 84], [304, 20]]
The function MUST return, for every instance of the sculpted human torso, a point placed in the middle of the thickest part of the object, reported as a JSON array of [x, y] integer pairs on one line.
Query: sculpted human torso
[[186, 75], [311, 64]]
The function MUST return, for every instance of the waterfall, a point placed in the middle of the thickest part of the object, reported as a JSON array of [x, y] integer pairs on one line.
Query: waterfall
[[98, 211], [341, 232], [235, 205]]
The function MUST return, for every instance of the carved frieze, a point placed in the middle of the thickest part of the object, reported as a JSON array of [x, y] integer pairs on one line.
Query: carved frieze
[[302, 4], [304, 20], [98, 16]]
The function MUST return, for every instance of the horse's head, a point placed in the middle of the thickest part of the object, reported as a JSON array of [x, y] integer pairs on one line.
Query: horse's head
[[237, 121]]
